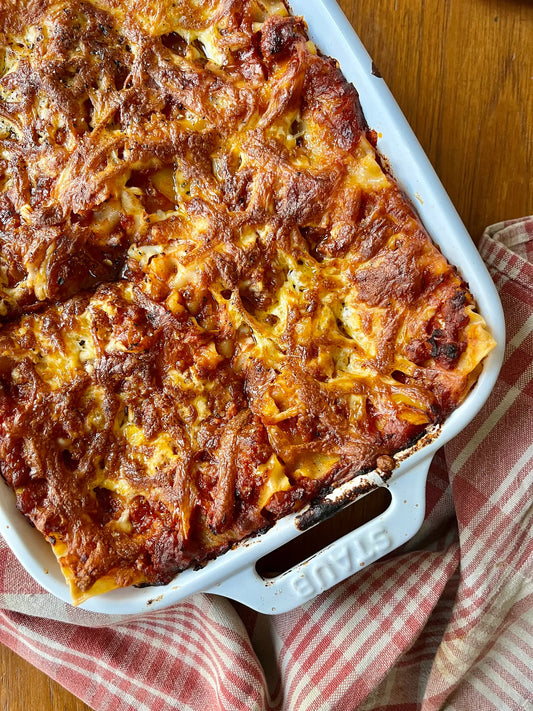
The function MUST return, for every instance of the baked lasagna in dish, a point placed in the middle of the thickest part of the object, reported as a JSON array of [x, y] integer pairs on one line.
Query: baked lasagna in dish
[[215, 301]]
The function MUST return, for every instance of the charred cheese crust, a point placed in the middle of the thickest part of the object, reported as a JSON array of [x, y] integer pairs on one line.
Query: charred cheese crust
[[215, 300]]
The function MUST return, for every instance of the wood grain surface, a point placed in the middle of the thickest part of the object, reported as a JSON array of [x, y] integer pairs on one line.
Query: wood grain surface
[[462, 72]]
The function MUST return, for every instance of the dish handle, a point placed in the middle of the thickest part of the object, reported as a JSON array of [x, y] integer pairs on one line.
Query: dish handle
[[342, 558]]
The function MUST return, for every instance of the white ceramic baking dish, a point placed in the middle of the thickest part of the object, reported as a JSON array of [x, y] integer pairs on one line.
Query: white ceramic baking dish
[[234, 574]]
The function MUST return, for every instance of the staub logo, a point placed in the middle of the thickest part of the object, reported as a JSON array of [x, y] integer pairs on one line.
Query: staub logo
[[333, 566]]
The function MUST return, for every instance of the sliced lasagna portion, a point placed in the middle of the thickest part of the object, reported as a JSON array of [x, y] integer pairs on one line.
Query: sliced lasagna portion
[[215, 302]]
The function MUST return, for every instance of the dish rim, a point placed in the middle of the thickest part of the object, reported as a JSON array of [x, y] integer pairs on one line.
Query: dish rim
[[411, 168]]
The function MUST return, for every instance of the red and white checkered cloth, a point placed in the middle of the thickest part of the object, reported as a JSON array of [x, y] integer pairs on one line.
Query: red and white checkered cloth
[[446, 623]]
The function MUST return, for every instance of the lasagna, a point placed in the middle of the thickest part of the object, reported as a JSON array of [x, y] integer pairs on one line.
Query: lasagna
[[215, 301]]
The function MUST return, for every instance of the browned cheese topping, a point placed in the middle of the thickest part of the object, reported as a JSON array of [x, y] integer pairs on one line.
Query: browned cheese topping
[[214, 301]]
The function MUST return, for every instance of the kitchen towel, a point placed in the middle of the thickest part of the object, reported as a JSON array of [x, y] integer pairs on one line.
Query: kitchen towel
[[446, 622]]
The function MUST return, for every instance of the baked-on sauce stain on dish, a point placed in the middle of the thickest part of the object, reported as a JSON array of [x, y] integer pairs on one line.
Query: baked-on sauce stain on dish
[[215, 302]]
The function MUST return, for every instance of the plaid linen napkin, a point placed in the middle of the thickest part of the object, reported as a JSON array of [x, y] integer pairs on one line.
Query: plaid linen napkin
[[444, 623]]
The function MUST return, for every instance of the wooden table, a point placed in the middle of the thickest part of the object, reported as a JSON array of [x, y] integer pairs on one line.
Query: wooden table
[[462, 72]]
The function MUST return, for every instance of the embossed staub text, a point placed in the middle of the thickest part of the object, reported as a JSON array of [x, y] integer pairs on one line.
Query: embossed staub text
[[330, 567]]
